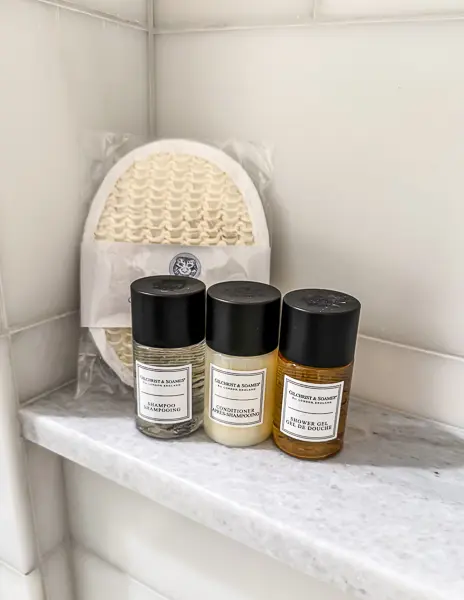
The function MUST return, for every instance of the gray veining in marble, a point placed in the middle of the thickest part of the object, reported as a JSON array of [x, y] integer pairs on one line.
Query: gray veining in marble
[[383, 520]]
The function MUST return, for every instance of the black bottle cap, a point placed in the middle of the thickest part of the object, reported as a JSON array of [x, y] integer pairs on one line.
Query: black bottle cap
[[168, 311], [319, 328], [243, 318]]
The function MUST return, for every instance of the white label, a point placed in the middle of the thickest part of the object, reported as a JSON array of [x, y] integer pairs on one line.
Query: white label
[[311, 411], [164, 394], [237, 397], [108, 269]]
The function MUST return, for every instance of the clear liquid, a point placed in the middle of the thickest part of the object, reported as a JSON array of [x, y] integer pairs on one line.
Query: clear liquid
[[172, 357]]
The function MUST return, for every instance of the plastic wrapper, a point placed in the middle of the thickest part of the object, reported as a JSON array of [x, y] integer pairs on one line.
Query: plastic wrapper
[[109, 266]]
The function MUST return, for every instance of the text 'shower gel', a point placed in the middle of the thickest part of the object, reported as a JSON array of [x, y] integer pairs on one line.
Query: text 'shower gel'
[[170, 207]]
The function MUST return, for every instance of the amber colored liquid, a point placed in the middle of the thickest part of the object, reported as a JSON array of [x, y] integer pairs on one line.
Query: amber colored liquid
[[304, 449]]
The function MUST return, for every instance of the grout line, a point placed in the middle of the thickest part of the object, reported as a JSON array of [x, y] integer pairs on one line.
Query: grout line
[[97, 14], [315, 10], [3, 320], [40, 556], [68, 545], [315, 20], [233, 28], [151, 75], [46, 393], [68, 540], [5, 565], [435, 353], [393, 19], [50, 553], [13, 375], [22, 328], [25, 467], [311, 24], [3, 317], [409, 347]]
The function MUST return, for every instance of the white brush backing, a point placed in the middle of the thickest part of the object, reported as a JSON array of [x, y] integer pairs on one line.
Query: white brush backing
[[172, 192]]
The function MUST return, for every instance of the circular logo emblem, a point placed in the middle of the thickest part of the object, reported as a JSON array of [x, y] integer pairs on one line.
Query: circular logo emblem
[[185, 264]]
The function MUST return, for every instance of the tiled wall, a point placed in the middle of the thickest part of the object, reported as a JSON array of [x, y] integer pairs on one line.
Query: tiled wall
[[33, 524], [136, 549], [65, 73], [130, 10], [94, 575], [364, 9], [362, 101], [366, 124], [179, 15]]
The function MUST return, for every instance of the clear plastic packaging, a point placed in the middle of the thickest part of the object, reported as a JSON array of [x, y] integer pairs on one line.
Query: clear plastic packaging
[[108, 266]]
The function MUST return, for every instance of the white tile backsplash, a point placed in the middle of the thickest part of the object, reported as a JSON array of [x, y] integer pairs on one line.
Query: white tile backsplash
[[379, 8], [170, 553], [15, 586], [106, 67], [367, 127], [95, 578], [46, 487], [39, 211], [17, 546], [132, 10], [57, 575], [418, 382], [368, 133], [45, 356], [207, 13], [70, 74]]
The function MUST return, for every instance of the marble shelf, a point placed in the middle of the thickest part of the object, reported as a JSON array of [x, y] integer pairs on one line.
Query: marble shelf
[[383, 520]]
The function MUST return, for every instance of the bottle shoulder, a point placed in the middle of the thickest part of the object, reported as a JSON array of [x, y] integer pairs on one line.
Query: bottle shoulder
[[315, 374], [241, 363]]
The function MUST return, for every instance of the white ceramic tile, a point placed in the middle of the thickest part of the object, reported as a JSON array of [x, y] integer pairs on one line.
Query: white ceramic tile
[[39, 208], [15, 586], [421, 383], [45, 356], [376, 8], [367, 127], [179, 13], [57, 575], [70, 74], [95, 579], [46, 485], [132, 10], [16, 532], [106, 71], [172, 554]]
